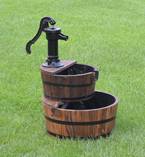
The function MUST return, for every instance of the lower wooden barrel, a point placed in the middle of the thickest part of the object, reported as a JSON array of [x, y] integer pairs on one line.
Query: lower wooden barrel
[[82, 123], [76, 83]]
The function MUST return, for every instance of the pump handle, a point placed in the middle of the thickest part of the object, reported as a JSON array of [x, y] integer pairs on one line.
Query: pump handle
[[43, 24]]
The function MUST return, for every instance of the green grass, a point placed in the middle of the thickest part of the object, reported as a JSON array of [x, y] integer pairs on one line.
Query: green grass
[[107, 34]]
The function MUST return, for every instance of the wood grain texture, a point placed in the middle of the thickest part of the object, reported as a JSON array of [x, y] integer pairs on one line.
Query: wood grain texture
[[68, 88], [52, 71], [80, 123]]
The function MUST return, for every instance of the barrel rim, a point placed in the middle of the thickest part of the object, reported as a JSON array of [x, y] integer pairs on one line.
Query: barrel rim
[[115, 103], [95, 69]]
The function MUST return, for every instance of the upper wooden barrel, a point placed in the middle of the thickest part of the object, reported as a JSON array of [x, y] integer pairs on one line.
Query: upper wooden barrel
[[71, 83]]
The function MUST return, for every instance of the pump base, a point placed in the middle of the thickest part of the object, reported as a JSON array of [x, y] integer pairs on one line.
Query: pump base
[[53, 64]]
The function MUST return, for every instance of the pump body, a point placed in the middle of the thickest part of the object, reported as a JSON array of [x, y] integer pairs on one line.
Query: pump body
[[53, 34]]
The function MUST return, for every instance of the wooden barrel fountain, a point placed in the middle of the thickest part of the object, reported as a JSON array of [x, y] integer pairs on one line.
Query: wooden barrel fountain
[[72, 107]]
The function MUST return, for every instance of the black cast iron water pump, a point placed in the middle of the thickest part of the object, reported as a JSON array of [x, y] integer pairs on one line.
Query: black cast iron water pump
[[53, 34]]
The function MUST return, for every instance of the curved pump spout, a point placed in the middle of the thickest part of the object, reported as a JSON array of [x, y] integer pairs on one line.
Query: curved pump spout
[[63, 37], [53, 34]]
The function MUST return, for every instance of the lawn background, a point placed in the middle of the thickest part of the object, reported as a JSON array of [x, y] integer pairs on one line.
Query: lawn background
[[108, 34]]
